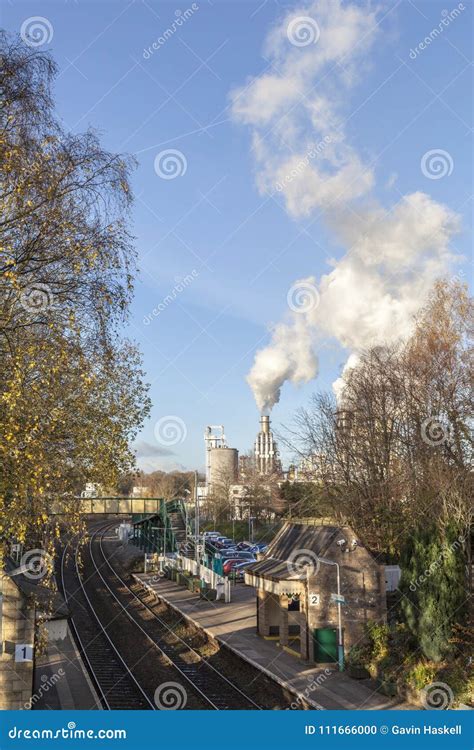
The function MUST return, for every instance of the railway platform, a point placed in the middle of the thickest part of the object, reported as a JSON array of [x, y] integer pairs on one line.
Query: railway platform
[[61, 681], [233, 624]]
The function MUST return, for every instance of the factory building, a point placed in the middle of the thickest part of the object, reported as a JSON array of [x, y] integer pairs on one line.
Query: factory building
[[267, 458]]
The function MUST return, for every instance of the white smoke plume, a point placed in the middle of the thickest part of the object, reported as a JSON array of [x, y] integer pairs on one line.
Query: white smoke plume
[[392, 256]]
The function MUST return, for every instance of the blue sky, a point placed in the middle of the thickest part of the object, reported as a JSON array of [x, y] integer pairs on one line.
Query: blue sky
[[243, 249]]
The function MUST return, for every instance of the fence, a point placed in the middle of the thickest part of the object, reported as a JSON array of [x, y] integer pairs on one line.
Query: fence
[[182, 564]]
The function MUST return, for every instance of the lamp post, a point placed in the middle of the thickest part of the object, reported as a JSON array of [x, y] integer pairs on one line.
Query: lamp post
[[196, 518], [186, 513], [340, 645], [251, 520]]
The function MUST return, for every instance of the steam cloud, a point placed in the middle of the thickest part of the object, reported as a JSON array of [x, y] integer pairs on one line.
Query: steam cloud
[[392, 256]]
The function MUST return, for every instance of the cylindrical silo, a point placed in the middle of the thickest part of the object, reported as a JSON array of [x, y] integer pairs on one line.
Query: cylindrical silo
[[224, 465]]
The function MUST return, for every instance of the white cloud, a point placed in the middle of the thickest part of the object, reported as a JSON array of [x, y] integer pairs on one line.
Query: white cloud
[[301, 100], [391, 257]]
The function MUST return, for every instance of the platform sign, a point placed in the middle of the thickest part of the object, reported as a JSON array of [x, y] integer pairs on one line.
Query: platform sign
[[314, 599], [338, 599], [23, 652]]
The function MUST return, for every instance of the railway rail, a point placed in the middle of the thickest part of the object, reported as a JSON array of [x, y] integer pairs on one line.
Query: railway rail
[[114, 682], [214, 688]]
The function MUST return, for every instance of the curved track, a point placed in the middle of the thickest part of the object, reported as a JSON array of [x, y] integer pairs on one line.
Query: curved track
[[114, 682], [213, 687]]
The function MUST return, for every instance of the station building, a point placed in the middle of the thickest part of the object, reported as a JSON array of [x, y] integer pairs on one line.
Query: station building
[[297, 590]]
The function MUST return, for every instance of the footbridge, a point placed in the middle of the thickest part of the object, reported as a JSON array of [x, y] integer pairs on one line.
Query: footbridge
[[121, 506]]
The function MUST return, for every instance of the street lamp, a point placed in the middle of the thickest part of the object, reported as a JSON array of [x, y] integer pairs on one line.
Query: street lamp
[[340, 645], [251, 520], [196, 518]]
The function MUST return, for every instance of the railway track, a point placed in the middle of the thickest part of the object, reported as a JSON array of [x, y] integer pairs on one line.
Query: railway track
[[213, 687], [114, 682]]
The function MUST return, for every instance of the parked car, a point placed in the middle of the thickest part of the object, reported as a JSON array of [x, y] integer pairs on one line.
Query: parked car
[[223, 543], [236, 555], [229, 564], [233, 565], [252, 546], [208, 534], [239, 568], [244, 545]]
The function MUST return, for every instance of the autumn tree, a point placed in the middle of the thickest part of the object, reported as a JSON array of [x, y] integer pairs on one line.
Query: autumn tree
[[71, 388], [396, 449]]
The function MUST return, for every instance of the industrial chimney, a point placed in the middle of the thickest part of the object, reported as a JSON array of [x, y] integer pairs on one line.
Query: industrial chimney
[[266, 451]]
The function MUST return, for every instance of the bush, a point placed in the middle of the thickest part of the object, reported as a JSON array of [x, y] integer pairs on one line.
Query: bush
[[433, 586]]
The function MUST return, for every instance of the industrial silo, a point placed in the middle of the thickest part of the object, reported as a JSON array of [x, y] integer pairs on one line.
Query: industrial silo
[[223, 466]]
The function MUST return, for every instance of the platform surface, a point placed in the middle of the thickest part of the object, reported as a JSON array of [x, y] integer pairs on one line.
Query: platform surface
[[61, 681], [234, 624]]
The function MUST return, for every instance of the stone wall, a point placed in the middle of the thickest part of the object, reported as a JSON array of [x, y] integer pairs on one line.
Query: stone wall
[[363, 587], [16, 678]]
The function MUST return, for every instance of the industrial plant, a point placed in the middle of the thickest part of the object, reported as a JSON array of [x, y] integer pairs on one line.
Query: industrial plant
[[228, 472]]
